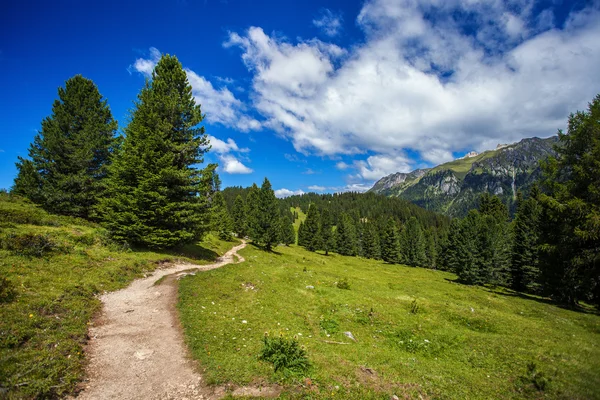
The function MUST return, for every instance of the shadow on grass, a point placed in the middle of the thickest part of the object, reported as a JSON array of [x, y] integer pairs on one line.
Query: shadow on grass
[[259, 247], [191, 250], [503, 291]]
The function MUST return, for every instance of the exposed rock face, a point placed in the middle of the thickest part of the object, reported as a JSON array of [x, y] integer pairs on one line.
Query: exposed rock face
[[454, 188]]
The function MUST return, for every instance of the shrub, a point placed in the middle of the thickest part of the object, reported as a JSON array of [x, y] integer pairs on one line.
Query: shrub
[[7, 291], [285, 354], [414, 307], [330, 326], [343, 284], [28, 244]]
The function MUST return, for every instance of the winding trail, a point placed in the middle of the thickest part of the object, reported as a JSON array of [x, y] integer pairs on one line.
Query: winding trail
[[136, 347]]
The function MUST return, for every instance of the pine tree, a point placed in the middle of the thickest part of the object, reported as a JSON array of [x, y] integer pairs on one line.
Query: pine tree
[[267, 224], [412, 244], [570, 221], [326, 229], [462, 248], [71, 153], [288, 235], [346, 236], [301, 235], [430, 249], [312, 231], [221, 221], [156, 196], [238, 217], [390, 243], [525, 260], [251, 211], [494, 242], [371, 247]]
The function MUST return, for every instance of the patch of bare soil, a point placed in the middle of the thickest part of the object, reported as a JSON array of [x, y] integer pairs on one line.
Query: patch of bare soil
[[137, 351]]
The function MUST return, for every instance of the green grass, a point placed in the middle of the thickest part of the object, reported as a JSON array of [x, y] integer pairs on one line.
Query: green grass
[[418, 332], [47, 301], [462, 166], [301, 217]]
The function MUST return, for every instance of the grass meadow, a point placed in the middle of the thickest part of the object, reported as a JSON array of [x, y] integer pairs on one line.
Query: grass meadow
[[419, 334]]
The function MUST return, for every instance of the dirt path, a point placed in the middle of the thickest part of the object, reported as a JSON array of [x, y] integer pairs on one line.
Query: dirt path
[[137, 350]]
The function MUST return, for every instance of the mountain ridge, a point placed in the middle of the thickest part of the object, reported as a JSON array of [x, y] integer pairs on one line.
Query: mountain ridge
[[454, 187]]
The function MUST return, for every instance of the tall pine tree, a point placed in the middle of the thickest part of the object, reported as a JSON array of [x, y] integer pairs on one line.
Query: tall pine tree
[[221, 221], [288, 235], [238, 217], [570, 222], [312, 230], [525, 247], [326, 230], [412, 244], [390, 243], [346, 236], [371, 247], [71, 153], [266, 229], [156, 195]]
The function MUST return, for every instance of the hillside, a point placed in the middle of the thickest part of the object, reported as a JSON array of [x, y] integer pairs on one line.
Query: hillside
[[418, 332], [51, 270], [453, 188]]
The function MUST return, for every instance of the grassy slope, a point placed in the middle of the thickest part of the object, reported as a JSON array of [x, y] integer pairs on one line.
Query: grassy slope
[[463, 342], [43, 327]]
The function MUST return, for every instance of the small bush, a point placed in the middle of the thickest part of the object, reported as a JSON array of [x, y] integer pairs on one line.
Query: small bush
[[414, 307], [343, 284], [330, 326], [535, 378], [285, 354], [29, 244], [7, 290]]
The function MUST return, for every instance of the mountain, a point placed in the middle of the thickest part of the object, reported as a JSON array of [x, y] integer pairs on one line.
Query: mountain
[[454, 188]]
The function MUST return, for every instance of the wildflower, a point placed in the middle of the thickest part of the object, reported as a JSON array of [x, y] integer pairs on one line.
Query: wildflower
[[30, 315]]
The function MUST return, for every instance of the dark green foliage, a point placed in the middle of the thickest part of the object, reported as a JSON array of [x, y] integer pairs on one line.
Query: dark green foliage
[[266, 221], [326, 231], [71, 153], [371, 248], [288, 235], [7, 290], [285, 354], [221, 221], [312, 230], [346, 236], [156, 195], [390, 243], [29, 244], [251, 211], [238, 216], [570, 220], [343, 284], [525, 258], [430, 249], [478, 247], [301, 235], [412, 244], [414, 307]]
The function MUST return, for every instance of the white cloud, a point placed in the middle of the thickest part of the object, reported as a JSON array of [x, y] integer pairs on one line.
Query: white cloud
[[219, 105], [220, 146], [342, 165], [229, 162], [425, 82], [329, 23], [232, 165], [317, 188], [281, 193], [377, 166]]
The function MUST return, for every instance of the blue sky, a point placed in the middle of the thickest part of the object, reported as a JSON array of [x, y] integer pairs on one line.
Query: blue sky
[[315, 95]]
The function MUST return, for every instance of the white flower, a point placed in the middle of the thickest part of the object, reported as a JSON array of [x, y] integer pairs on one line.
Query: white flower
[[244, 322]]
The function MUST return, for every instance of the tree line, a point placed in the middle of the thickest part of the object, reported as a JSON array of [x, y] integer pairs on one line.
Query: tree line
[[552, 247], [143, 186]]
